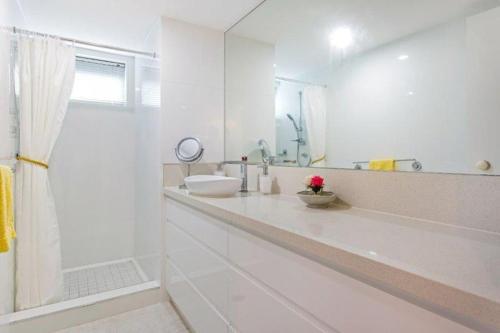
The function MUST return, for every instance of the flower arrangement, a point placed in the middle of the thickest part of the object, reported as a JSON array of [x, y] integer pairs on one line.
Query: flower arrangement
[[315, 183]]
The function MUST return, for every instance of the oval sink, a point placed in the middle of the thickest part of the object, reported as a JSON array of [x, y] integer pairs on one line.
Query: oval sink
[[213, 185]]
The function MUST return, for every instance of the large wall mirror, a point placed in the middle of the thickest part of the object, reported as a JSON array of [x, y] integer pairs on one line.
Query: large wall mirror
[[339, 83]]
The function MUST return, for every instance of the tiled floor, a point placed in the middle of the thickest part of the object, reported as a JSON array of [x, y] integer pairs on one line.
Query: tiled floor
[[93, 280], [159, 318]]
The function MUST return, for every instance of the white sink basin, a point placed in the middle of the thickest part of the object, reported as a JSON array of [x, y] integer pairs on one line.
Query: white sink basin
[[213, 185]]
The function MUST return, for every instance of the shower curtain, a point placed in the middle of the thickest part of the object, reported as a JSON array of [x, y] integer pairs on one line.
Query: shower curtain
[[46, 73], [315, 118], [6, 150]]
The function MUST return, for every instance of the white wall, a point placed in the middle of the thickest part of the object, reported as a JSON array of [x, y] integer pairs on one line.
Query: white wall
[[249, 97], [192, 62], [11, 14], [383, 107], [148, 175], [92, 177]]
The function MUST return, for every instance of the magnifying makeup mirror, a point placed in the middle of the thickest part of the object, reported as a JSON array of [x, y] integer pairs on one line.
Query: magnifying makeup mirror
[[189, 151]]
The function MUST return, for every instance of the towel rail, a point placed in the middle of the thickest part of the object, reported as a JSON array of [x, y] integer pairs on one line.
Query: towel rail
[[416, 165]]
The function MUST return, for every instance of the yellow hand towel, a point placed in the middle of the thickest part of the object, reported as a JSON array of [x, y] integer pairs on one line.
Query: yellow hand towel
[[382, 165], [7, 232]]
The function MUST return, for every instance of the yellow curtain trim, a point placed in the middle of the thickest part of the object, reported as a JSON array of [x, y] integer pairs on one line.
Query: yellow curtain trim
[[322, 158], [35, 162]]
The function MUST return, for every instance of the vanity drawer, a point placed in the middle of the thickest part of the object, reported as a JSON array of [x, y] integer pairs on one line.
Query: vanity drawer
[[208, 273], [238, 298], [206, 229], [201, 316], [342, 303], [253, 309]]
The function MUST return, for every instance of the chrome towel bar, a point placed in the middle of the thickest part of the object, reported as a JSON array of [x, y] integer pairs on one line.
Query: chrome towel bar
[[416, 165]]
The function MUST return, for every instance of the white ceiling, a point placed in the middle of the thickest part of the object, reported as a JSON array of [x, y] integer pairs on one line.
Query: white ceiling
[[127, 23]]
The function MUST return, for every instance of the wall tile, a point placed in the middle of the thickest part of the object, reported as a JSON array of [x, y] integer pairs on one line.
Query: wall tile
[[192, 88]]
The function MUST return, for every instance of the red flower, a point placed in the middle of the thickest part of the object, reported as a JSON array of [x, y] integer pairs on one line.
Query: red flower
[[317, 181]]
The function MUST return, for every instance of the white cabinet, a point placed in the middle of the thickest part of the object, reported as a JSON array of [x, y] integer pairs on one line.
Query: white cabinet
[[341, 302], [256, 286], [236, 297], [253, 309], [208, 273], [201, 315], [207, 229]]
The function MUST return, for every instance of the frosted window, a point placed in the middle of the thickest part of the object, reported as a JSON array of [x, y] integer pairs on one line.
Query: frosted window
[[150, 87], [100, 81]]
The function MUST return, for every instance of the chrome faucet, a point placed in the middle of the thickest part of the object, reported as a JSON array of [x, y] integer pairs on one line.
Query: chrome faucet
[[243, 171]]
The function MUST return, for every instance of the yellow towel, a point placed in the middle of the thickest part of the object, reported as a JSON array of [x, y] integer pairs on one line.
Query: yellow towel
[[7, 232], [382, 165]]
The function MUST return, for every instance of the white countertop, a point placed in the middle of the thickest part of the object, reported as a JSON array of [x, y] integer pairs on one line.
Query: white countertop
[[453, 270]]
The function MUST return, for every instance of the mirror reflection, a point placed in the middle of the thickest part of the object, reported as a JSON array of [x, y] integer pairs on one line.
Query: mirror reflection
[[393, 85]]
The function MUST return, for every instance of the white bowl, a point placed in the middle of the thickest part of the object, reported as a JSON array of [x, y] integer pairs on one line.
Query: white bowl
[[216, 186], [321, 199]]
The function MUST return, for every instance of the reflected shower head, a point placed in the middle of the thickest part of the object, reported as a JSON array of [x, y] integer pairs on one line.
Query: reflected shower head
[[293, 121], [265, 150]]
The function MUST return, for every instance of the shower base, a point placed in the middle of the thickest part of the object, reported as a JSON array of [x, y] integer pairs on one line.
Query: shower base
[[95, 279], [90, 293]]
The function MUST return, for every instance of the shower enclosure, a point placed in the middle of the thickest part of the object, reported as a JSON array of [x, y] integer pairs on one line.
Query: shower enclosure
[[300, 122], [291, 132], [105, 174]]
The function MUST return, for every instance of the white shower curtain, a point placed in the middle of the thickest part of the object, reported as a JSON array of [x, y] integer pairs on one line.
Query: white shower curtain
[[6, 150], [46, 74], [315, 118]]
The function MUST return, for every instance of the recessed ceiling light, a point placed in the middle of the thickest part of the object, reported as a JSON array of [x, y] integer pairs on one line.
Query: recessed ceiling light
[[403, 57], [341, 38], [411, 93]]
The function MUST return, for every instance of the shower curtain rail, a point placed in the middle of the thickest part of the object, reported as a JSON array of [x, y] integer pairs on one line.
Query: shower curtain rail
[[281, 78], [16, 30]]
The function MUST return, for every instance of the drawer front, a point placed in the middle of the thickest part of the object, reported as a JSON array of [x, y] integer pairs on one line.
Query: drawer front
[[206, 229], [200, 315], [247, 306], [252, 309], [208, 273], [342, 303]]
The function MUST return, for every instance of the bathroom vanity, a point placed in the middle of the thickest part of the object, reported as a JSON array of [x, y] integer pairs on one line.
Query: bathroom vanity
[[269, 264]]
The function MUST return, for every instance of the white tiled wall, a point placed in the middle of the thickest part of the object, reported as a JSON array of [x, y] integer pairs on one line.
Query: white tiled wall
[[92, 178], [192, 88], [10, 13]]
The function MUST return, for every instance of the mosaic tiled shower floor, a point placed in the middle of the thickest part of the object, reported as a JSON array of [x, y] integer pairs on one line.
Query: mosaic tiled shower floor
[[98, 279]]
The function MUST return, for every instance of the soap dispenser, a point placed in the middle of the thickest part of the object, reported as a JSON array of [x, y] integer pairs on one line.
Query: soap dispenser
[[265, 180]]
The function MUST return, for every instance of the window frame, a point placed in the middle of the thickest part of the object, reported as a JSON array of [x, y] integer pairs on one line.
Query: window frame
[[129, 79]]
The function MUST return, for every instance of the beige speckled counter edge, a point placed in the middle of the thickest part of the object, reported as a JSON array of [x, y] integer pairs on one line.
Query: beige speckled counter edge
[[471, 310]]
